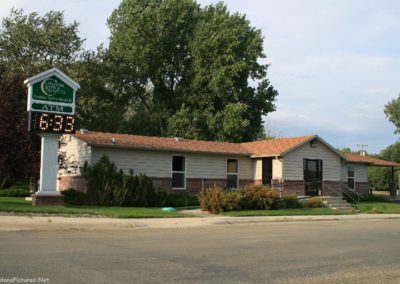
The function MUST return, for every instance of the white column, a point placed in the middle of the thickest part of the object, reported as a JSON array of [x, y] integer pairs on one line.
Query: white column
[[49, 164]]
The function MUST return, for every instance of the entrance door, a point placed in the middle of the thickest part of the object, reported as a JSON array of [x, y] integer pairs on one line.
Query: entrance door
[[312, 176], [266, 170]]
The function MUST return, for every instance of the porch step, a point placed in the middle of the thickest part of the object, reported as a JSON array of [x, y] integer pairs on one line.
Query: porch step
[[336, 203]]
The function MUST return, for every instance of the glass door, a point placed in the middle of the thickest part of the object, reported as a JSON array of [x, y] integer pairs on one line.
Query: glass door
[[312, 176], [266, 170]]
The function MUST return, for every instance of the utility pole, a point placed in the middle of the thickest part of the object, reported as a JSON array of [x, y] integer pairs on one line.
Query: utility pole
[[362, 146]]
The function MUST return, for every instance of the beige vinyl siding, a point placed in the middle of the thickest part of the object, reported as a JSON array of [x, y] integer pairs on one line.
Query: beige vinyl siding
[[151, 163], [360, 172], [214, 166], [277, 169], [76, 150], [293, 162], [257, 166], [158, 163]]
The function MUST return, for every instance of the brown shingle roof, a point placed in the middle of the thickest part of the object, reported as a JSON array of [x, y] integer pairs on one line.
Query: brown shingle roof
[[258, 148], [275, 146], [160, 143], [373, 161]]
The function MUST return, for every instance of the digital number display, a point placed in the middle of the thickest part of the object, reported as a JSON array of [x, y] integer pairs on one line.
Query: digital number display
[[51, 122]]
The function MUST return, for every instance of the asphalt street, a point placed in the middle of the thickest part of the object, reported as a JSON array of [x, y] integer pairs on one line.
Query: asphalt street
[[282, 252]]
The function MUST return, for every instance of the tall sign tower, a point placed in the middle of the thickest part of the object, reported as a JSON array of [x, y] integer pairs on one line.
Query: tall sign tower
[[51, 108]]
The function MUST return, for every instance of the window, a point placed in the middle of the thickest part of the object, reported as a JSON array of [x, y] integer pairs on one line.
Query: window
[[178, 172], [232, 173], [350, 176]]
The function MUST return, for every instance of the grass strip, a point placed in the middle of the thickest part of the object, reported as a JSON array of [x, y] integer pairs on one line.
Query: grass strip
[[19, 205], [381, 207]]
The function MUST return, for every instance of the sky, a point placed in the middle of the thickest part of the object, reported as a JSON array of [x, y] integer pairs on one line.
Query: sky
[[334, 63]]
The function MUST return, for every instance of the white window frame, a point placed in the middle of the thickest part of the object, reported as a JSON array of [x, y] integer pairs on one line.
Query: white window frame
[[353, 177], [237, 174], [180, 172]]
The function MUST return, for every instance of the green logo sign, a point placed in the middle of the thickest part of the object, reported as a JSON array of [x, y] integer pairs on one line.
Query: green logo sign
[[53, 90], [47, 107]]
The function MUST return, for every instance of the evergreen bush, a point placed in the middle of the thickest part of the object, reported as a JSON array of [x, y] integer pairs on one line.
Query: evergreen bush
[[73, 197]]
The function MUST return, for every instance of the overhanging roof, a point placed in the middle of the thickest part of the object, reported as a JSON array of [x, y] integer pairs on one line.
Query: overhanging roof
[[356, 158]]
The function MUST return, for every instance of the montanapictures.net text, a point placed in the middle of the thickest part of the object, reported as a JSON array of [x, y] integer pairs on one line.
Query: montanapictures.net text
[[24, 280]]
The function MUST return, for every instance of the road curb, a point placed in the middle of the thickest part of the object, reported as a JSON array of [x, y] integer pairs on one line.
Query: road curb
[[22, 223]]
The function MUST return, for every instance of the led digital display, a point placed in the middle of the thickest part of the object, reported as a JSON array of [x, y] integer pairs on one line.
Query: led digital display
[[51, 122]]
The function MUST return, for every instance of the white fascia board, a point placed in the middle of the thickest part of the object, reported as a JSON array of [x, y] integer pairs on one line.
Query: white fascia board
[[54, 71]]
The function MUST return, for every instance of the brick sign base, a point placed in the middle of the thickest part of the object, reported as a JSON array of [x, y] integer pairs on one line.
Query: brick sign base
[[47, 200]]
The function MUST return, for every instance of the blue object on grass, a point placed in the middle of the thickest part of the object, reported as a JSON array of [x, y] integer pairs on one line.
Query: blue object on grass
[[171, 209]]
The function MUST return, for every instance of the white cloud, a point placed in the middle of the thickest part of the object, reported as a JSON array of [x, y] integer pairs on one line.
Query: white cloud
[[335, 63]]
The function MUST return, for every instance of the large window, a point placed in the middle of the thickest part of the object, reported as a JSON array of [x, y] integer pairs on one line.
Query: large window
[[350, 176], [178, 172], [232, 173]]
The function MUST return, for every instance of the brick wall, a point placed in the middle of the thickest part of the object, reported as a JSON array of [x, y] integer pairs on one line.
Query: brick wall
[[290, 187], [47, 200], [164, 182], [362, 187], [192, 184], [332, 188], [76, 182], [243, 182]]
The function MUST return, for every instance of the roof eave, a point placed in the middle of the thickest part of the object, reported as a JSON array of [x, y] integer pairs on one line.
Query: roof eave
[[163, 149], [265, 156]]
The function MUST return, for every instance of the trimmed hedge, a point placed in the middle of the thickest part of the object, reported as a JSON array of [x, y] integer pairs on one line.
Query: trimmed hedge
[[14, 192], [73, 197]]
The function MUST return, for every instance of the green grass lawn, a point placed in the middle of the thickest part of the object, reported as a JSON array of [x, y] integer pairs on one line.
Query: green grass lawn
[[382, 207], [20, 206], [285, 212]]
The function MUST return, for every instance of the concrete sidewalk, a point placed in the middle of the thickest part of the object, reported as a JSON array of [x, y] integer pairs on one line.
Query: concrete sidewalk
[[27, 223]]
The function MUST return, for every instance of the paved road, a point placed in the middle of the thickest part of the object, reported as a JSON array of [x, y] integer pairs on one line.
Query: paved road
[[295, 252]]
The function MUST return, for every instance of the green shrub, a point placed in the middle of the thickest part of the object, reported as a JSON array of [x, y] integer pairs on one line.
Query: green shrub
[[14, 192], [215, 199], [351, 197], [73, 197], [103, 182], [315, 202], [375, 198], [290, 201], [139, 191], [258, 197], [110, 187], [212, 199], [175, 199]]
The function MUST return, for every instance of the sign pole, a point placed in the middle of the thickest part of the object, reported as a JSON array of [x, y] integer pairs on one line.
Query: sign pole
[[51, 106]]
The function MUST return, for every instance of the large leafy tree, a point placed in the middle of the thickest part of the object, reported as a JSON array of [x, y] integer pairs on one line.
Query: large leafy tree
[[30, 44], [97, 107], [189, 71], [392, 112], [380, 177]]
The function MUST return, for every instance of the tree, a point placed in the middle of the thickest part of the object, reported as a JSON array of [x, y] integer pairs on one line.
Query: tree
[[189, 71], [19, 155], [98, 107], [29, 44], [381, 177], [392, 112]]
